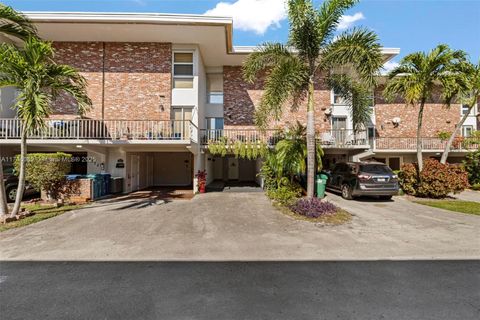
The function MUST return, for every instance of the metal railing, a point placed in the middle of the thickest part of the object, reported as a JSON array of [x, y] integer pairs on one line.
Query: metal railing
[[428, 143], [101, 129], [269, 136], [333, 138]]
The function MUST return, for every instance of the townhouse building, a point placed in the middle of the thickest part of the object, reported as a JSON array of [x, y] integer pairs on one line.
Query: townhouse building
[[165, 86]]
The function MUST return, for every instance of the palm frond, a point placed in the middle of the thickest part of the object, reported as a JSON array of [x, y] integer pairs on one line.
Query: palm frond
[[358, 96], [420, 73], [39, 80], [267, 56], [15, 24], [304, 35], [358, 49], [329, 16], [285, 80]]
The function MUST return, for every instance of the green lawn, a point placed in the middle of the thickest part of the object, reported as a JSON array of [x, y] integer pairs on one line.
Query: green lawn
[[41, 213], [469, 207]]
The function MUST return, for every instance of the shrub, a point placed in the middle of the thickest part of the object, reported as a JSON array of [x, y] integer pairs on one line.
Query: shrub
[[408, 178], [313, 207], [476, 186], [436, 180], [472, 166], [286, 192], [46, 171], [268, 175]]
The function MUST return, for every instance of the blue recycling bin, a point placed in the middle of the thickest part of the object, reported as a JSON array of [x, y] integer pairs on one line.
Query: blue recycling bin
[[97, 182]]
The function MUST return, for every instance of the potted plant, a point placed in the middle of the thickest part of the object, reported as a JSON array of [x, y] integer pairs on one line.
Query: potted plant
[[201, 180]]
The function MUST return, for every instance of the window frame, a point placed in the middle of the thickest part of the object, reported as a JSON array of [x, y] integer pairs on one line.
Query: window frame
[[184, 77], [467, 127]]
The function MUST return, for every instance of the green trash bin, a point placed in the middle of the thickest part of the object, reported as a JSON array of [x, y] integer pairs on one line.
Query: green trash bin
[[320, 184]]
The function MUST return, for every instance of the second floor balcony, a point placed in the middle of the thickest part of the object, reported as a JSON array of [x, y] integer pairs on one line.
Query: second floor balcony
[[121, 131], [343, 138]]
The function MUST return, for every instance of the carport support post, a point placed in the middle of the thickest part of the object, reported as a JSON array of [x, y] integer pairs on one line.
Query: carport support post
[[198, 164]]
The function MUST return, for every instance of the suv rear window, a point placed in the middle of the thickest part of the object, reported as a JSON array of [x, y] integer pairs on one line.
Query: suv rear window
[[375, 168]]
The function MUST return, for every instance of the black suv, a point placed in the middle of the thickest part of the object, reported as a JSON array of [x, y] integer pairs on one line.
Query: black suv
[[11, 183], [363, 179]]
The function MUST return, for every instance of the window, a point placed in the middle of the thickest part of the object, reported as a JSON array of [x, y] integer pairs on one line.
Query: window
[[467, 131], [338, 99], [464, 109], [339, 123], [182, 70], [214, 123], [215, 88], [181, 125]]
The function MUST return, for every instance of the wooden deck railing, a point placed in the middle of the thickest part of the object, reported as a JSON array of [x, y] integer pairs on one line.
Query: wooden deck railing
[[101, 129]]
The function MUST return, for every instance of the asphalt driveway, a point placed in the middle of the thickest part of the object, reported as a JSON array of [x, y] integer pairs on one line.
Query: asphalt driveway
[[243, 226]]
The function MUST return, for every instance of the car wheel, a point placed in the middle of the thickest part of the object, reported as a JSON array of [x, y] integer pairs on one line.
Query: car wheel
[[11, 194], [347, 192], [386, 197]]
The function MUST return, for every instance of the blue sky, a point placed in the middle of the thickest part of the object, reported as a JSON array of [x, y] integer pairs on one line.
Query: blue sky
[[411, 25]]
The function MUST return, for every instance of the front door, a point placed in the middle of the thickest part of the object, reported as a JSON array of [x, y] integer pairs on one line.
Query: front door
[[232, 169], [181, 125]]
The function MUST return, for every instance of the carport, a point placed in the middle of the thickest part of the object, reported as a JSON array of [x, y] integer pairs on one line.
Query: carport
[[159, 169]]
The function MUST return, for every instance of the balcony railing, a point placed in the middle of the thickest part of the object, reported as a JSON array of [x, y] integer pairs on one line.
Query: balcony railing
[[101, 129], [410, 144], [331, 139], [269, 137]]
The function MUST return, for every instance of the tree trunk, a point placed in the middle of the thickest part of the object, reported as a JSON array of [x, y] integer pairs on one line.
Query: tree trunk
[[310, 141], [454, 134], [419, 137], [21, 176], [3, 196]]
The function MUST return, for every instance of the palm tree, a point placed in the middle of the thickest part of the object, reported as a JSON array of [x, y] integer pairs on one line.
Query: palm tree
[[291, 152], [15, 24], [313, 49], [418, 77], [468, 98], [39, 81]]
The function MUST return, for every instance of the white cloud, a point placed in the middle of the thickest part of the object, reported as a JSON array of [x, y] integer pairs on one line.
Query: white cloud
[[252, 15], [347, 21], [389, 66]]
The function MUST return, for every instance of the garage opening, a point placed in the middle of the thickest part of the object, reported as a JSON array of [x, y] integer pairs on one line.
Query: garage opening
[[233, 173], [159, 169]]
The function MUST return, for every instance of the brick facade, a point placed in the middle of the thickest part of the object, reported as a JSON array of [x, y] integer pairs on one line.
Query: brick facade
[[436, 117], [241, 99], [125, 80], [86, 57]]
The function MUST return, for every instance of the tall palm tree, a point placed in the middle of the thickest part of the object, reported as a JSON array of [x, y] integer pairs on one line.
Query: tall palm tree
[[15, 24], [313, 49], [39, 80], [418, 77], [469, 98]]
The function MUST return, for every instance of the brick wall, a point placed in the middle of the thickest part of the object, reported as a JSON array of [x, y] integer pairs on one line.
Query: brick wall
[[128, 80], [86, 57], [241, 99], [436, 117]]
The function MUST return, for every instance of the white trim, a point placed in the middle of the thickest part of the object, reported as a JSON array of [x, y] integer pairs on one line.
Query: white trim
[[51, 16]]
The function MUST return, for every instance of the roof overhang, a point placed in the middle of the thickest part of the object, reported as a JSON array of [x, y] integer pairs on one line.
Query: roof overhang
[[211, 34]]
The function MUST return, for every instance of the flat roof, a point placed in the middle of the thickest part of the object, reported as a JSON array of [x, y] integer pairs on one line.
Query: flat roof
[[210, 33]]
